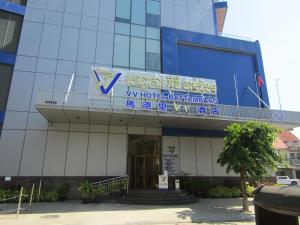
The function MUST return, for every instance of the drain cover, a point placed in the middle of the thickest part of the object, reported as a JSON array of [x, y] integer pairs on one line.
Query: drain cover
[[50, 217]]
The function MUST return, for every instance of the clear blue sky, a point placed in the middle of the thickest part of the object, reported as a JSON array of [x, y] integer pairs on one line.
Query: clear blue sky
[[276, 24]]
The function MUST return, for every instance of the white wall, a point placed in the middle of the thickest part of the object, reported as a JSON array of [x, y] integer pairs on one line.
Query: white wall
[[198, 156], [67, 150], [204, 156], [188, 155]]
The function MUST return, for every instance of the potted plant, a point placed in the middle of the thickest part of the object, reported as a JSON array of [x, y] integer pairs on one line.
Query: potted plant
[[63, 191], [123, 188], [99, 191], [87, 192]]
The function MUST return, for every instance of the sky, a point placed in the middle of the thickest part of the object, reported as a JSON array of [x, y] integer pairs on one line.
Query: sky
[[276, 25]]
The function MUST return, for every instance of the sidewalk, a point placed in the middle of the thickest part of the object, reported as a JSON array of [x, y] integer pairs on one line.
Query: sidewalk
[[210, 211]]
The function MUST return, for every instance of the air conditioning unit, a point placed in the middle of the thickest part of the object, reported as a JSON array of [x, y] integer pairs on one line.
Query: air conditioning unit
[[51, 102]]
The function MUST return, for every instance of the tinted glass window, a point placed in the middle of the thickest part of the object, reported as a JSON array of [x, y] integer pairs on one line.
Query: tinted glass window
[[5, 79], [122, 28], [153, 20], [137, 30], [153, 7], [153, 46], [10, 29], [121, 51], [123, 9], [152, 61], [138, 12], [137, 53], [4, 17], [153, 33], [137, 34], [20, 2]]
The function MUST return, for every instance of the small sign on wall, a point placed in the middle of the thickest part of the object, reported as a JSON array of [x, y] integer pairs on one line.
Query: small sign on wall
[[163, 182], [7, 179], [177, 185]]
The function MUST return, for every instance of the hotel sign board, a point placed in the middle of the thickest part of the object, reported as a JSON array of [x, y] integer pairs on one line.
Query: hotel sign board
[[150, 91]]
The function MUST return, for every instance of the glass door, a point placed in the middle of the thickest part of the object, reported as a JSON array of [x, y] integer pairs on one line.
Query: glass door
[[139, 172], [143, 161]]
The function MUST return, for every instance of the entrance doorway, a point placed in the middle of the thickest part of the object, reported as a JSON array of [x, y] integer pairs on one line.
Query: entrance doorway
[[144, 161]]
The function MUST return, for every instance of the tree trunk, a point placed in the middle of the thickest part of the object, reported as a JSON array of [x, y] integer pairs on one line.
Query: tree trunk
[[244, 191]]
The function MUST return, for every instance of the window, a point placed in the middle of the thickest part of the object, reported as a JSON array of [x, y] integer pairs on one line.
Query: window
[[123, 10], [5, 79], [138, 12], [137, 53], [20, 2], [153, 46], [122, 28], [121, 51], [10, 30], [153, 33], [137, 35], [153, 20], [153, 55], [137, 30], [153, 7]]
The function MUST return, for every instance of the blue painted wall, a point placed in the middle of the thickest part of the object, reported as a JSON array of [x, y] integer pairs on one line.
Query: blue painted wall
[[7, 58], [12, 7], [2, 115], [213, 57]]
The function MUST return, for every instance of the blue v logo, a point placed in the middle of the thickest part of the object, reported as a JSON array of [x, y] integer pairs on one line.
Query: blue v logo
[[106, 90]]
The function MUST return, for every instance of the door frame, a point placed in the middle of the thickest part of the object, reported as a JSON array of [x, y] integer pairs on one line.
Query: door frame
[[130, 178]]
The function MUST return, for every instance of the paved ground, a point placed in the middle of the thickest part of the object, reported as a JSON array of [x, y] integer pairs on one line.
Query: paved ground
[[207, 211]]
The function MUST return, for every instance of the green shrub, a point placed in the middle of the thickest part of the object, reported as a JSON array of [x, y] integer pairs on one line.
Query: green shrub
[[86, 189], [198, 187], [63, 191], [216, 192], [45, 195], [250, 190], [224, 192]]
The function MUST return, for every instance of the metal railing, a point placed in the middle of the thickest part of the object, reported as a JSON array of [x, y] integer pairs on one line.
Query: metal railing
[[113, 185], [18, 198], [234, 36], [110, 103]]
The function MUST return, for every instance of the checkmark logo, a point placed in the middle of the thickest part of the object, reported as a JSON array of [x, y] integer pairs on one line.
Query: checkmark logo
[[99, 78]]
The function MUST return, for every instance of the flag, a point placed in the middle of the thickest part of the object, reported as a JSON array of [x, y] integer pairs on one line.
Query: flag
[[260, 81]]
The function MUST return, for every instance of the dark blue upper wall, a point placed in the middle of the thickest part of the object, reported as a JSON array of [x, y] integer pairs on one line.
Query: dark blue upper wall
[[213, 57]]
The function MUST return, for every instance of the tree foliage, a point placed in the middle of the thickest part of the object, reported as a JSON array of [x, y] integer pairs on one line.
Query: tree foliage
[[249, 151], [250, 147]]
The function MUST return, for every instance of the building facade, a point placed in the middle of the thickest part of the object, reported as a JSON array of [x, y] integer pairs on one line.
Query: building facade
[[291, 150], [57, 127]]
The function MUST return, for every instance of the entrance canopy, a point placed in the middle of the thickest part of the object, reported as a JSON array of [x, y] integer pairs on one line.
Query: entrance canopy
[[111, 111], [135, 98]]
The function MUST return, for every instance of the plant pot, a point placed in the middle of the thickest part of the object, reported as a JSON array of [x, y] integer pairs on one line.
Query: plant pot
[[85, 200], [114, 195], [98, 199], [123, 192], [198, 193], [62, 198]]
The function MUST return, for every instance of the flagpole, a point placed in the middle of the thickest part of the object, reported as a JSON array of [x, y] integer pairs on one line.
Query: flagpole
[[277, 79], [236, 90], [70, 85], [257, 89]]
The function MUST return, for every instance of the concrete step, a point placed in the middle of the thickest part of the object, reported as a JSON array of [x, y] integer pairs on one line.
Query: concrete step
[[153, 197]]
